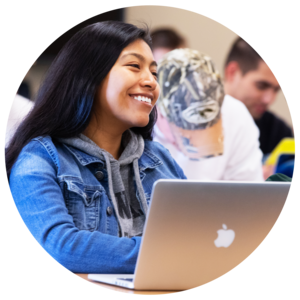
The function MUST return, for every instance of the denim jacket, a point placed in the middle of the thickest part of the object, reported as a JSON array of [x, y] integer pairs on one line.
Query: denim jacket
[[62, 195]]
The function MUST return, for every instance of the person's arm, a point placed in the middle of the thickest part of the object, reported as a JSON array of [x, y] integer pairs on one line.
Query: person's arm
[[40, 201]]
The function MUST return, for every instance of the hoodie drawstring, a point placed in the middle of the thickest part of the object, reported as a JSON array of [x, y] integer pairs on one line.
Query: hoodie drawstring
[[140, 187], [111, 190]]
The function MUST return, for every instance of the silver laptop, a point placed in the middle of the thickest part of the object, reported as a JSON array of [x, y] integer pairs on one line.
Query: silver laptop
[[197, 231]]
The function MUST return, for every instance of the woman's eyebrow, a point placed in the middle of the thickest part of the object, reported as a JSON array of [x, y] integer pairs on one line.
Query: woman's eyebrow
[[140, 57]]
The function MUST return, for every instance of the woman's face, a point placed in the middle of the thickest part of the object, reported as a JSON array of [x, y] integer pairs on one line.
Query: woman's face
[[128, 93]]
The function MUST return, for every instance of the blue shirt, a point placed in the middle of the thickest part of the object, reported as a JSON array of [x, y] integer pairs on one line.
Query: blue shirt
[[62, 196]]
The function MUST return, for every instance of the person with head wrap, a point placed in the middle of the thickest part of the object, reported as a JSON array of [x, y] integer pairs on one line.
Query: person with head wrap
[[211, 135]]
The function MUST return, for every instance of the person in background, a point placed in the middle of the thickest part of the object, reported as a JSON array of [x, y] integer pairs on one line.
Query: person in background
[[21, 106], [240, 157], [250, 80], [165, 40]]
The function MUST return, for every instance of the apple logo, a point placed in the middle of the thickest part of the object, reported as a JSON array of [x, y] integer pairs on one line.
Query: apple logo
[[225, 237]]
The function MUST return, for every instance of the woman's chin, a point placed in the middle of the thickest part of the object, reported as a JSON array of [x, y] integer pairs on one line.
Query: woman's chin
[[141, 122]]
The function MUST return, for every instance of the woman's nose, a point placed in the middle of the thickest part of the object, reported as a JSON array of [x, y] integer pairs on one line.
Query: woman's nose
[[149, 81]]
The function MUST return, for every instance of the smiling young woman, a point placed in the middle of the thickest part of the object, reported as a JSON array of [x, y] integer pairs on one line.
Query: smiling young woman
[[126, 96], [81, 166]]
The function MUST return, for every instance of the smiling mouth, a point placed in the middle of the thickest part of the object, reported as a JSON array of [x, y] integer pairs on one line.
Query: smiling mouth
[[142, 98]]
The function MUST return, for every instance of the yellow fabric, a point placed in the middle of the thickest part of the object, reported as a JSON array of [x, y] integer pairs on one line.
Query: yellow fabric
[[286, 146]]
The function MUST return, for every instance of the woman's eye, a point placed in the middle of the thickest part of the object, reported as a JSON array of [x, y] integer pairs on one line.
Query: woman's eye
[[134, 65], [138, 67]]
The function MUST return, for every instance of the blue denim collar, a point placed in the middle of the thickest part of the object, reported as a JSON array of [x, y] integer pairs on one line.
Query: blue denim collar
[[82, 157], [148, 160]]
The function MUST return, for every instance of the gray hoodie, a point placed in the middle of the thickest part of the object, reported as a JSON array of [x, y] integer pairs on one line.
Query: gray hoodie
[[122, 174]]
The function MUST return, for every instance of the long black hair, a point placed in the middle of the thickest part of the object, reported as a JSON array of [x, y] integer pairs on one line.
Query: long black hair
[[64, 102]]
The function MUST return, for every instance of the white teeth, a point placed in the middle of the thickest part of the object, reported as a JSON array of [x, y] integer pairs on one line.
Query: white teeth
[[142, 98]]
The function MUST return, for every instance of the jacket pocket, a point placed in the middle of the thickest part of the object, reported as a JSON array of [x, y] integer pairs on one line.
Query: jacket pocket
[[83, 204]]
